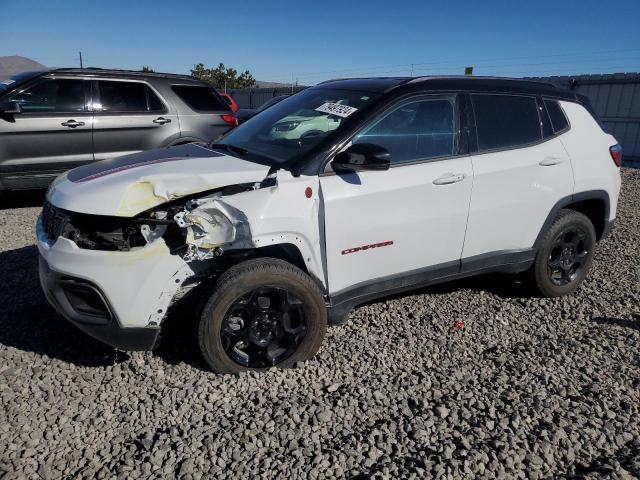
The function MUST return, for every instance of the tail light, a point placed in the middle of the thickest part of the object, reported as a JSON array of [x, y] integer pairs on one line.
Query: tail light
[[616, 154], [230, 119]]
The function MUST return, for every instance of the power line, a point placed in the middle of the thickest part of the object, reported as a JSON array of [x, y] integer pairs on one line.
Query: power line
[[408, 66]]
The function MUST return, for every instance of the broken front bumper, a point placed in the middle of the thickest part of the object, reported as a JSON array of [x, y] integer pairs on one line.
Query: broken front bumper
[[120, 298]]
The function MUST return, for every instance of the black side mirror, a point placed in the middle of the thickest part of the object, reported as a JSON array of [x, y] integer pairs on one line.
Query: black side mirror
[[362, 156]]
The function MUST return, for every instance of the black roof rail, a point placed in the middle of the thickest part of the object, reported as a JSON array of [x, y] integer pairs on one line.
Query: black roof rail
[[114, 71]]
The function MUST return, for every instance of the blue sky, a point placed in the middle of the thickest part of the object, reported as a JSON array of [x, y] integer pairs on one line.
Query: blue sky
[[317, 40]]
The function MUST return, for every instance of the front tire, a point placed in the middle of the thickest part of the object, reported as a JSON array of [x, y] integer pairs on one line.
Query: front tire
[[565, 255], [263, 312]]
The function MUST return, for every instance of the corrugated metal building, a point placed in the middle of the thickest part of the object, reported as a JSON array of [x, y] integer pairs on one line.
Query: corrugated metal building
[[615, 98], [254, 97]]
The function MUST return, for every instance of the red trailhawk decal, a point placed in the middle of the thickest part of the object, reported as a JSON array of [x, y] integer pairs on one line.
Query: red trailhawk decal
[[367, 247]]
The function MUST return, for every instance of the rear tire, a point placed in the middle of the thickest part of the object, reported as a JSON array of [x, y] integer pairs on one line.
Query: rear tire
[[263, 312], [565, 254]]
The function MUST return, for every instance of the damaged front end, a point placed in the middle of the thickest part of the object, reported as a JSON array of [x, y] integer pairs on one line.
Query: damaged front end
[[196, 229]]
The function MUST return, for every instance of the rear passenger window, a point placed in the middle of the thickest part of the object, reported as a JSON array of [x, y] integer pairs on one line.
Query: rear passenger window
[[128, 97], [416, 131], [558, 120], [504, 121], [200, 99]]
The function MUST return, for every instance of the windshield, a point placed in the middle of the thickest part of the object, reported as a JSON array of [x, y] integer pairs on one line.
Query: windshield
[[10, 82], [288, 130]]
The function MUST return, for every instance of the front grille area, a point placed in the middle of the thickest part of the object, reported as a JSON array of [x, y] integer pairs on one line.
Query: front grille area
[[54, 221], [92, 232]]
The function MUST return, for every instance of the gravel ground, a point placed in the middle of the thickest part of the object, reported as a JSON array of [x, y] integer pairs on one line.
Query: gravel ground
[[528, 388]]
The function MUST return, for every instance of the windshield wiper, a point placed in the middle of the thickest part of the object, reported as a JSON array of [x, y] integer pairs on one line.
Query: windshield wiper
[[230, 148]]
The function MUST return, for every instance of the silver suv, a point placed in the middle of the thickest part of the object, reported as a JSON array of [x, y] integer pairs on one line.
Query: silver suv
[[54, 120]]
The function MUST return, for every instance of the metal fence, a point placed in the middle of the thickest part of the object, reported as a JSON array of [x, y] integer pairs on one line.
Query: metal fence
[[254, 97], [615, 98]]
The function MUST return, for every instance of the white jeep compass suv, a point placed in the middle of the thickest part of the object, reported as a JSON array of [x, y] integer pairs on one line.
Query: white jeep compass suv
[[419, 180]]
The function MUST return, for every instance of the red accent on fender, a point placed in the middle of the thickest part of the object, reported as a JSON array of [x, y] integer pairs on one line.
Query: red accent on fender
[[308, 192], [367, 247]]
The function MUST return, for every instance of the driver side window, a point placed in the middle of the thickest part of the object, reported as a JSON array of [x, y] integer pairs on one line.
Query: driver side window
[[52, 96], [416, 130]]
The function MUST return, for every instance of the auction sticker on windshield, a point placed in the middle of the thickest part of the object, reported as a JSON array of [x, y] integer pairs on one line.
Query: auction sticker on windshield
[[336, 109]]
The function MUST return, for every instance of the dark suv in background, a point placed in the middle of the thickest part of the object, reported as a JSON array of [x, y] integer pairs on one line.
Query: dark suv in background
[[54, 120]]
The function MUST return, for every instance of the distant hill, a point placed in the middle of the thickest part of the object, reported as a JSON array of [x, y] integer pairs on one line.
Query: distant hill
[[16, 64]]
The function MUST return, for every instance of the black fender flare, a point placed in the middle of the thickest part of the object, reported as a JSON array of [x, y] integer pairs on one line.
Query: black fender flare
[[571, 199]]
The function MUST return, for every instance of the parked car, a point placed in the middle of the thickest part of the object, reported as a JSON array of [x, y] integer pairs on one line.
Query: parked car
[[54, 120], [421, 180], [245, 114], [230, 101]]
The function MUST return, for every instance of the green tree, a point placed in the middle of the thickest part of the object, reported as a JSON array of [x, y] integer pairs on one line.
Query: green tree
[[222, 77], [147, 69]]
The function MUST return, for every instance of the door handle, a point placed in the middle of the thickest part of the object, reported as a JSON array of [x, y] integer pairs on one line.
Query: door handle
[[449, 178], [550, 161], [162, 120], [72, 124]]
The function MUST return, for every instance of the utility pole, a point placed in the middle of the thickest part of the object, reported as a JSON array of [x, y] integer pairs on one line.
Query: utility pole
[[291, 83], [80, 53], [411, 70]]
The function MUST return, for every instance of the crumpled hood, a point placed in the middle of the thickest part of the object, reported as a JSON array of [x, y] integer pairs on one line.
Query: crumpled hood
[[126, 186]]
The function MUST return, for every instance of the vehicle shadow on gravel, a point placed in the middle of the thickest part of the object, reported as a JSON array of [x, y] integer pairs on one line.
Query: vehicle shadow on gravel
[[501, 285], [621, 322], [30, 324], [179, 330], [21, 199]]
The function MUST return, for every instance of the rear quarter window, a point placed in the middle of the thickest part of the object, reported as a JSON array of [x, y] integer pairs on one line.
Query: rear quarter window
[[200, 98], [558, 120], [505, 121]]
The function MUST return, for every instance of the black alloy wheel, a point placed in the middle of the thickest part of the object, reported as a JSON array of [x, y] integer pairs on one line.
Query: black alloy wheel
[[264, 327], [568, 255], [564, 255], [262, 313]]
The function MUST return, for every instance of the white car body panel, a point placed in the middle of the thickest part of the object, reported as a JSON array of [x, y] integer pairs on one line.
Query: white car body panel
[[138, 284], [283, 214], [425, 222], [593, 168], [513, 194], [130, 191]]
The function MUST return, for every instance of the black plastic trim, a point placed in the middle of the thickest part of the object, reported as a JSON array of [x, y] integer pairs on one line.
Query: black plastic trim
[[568, 200], [506, 261]]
